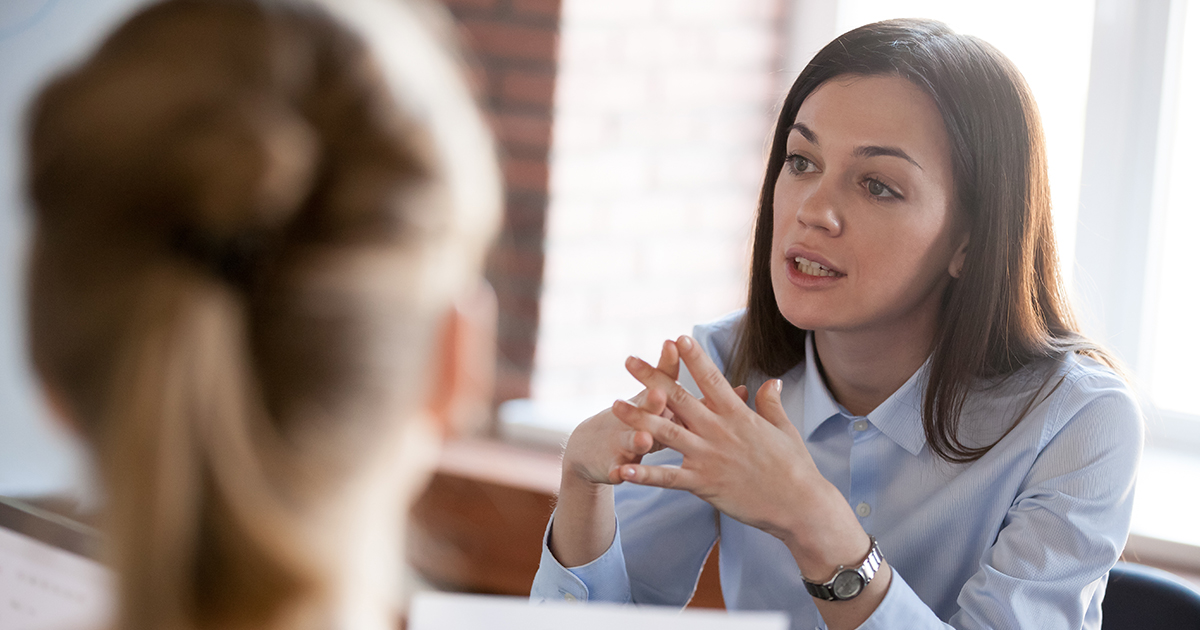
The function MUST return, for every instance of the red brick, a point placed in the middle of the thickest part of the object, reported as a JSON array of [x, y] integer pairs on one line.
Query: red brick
[[525, 174], [540, 8], [475, 5], [511, 382], [522, 130], [516, 262], [519, 352], [510, 41], [522, 308], [525, 221], [528, 88]]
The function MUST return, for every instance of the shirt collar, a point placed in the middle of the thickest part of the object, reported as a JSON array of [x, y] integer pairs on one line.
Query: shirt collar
[[898, 417]]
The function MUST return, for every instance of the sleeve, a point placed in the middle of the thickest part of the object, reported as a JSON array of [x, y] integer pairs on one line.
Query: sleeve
[[1067, 527], [603, 579], [663, 538]]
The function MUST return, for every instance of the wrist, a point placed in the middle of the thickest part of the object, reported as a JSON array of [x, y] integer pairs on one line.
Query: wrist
[[576, 482], [827, 537]]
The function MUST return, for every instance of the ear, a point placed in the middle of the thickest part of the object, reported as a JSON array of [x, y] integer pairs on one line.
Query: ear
[[60, 410], [464, 363], [960, 256]]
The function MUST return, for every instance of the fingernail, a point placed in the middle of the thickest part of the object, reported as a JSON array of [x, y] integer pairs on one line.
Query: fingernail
[[685, 342], [628, 472], [778, 385]]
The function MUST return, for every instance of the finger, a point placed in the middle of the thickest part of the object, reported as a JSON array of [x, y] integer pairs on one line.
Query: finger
[[742, 393], [638, 443], [659, 476], [654, 401], [717, 391], [691, 411], [668, 361], [662, 430], [768, 404]]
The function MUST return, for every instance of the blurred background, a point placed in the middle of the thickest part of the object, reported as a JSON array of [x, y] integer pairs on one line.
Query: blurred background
[[633, 135]]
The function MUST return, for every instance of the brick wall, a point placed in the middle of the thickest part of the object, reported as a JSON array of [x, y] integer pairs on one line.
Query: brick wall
[[629, 223], [514, 45], [662, 113]]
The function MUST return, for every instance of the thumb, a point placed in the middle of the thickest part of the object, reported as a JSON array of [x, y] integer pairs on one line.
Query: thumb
[[769, 406]]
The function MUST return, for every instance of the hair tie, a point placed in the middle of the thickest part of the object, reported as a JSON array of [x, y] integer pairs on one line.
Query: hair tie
[[234, 260]]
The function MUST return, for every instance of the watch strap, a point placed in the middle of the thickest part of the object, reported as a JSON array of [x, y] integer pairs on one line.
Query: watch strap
[[866, 571]]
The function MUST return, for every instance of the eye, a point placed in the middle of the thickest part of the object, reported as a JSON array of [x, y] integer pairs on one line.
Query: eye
[[878, 189], [797, 163]]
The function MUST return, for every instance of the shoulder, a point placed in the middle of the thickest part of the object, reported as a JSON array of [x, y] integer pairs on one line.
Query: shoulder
[[1081, 399], [719, 337], [1073, 395]]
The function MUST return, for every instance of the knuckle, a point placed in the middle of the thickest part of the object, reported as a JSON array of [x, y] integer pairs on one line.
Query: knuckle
[[712, 377], [665, 477], [670, 431], [678, 395]]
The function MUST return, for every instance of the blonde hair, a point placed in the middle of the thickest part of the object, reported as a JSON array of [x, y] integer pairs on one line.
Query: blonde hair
[[249, 219]]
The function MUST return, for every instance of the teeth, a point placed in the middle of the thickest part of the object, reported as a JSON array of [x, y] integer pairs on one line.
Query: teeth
[[811, 268]]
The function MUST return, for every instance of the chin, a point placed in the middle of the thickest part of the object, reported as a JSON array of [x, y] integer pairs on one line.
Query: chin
[[805, 320]]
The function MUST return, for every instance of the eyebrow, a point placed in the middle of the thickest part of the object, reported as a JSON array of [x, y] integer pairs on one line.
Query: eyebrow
[[866, 151]]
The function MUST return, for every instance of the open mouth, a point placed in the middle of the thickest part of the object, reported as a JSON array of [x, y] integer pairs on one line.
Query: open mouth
[[810, 268]]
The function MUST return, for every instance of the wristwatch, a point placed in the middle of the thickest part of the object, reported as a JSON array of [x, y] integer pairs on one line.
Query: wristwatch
[[848, 582]]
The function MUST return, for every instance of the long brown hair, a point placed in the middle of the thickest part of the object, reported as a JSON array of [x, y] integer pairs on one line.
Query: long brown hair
[[1008, 309], [246, 230]]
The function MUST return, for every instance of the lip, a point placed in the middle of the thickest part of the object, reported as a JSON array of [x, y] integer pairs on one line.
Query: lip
[[796, 252], [804, 280]]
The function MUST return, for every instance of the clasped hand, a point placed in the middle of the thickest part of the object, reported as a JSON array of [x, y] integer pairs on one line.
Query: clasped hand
[[751, 465]]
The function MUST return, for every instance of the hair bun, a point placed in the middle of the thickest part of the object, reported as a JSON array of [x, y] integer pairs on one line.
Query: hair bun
[[245, 167]]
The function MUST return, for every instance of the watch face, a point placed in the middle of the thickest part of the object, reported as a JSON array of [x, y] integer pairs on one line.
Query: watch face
[[847, 584]]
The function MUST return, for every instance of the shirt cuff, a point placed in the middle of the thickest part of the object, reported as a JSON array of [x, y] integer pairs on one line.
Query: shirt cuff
[[602, 580], [901, 608]]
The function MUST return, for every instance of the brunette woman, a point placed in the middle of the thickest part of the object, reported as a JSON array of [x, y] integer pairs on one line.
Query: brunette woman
[[932, 443]]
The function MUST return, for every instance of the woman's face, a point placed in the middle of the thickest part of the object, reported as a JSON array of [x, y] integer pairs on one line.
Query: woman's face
[[865, 235]]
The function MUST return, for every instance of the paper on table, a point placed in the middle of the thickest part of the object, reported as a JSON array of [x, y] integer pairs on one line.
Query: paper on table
[[43, 587], [444, 611]]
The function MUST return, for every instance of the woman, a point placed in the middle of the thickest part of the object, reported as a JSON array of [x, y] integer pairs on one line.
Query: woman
[[255, 285], [932, 443]]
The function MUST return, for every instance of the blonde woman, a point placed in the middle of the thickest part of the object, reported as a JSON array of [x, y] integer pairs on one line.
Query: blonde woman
[[255, 285]]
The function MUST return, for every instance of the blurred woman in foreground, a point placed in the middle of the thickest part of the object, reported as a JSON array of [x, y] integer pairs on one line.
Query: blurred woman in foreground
[[255, 286]]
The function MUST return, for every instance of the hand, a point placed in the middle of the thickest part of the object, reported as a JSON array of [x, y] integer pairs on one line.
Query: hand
[[601, 444], [751, 466]]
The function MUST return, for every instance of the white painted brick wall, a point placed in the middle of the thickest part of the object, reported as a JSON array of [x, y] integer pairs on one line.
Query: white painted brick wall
[[662, 112]]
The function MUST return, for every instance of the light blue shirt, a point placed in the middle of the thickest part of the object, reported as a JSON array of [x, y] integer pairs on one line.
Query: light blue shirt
[[1022, 538]]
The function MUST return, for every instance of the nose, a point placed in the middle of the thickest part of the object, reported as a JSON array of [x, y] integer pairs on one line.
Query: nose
[[818, 209]]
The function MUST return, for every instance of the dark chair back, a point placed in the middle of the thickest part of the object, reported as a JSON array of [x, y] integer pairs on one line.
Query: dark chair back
[[1144, 598]]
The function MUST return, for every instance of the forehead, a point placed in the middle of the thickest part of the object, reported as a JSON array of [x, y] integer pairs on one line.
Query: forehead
[[883, 110]]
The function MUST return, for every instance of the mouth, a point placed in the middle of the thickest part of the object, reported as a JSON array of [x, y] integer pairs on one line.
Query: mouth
[[813, 268]]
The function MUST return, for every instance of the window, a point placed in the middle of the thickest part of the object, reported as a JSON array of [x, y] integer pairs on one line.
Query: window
[[1172, 373]]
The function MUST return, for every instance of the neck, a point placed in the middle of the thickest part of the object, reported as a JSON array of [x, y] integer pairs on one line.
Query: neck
[[368, 590], [863, 368]]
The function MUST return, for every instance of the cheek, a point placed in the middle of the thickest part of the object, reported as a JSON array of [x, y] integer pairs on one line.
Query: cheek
[[908, 252]]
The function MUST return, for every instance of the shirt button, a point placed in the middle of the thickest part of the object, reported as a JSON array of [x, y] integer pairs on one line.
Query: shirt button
[[860, 425], [569, 597], [863, 510]]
